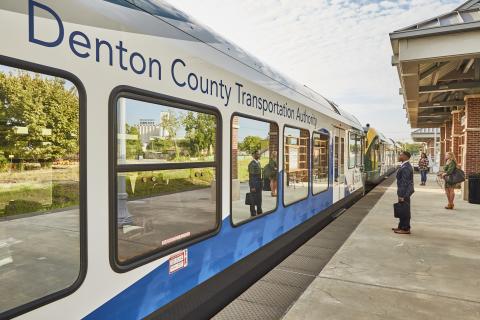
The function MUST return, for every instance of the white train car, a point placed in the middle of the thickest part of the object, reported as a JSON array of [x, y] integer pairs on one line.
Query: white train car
[[126, 139]]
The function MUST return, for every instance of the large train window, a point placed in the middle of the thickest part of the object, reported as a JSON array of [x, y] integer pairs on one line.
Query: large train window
[[352, 149], [254, 168], [41, 205], [295, 165], [166, 177], [360, 150], [355, 148], [320, 162]]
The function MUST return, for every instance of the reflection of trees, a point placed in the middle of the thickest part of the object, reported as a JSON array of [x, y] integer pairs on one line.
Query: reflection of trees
[[39, 117], [200, 133]]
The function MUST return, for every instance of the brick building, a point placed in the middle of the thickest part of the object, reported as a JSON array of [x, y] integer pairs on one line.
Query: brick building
[[438, 63]]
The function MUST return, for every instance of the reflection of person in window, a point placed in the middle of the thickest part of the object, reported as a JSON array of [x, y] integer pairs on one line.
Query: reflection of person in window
[[255, 183], [273, 173]]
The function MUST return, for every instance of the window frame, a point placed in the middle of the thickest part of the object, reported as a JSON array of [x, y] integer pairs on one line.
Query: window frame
[[83, 243], [327, 134], [238, 114], [133, 93], [285, 126], [354, 135]]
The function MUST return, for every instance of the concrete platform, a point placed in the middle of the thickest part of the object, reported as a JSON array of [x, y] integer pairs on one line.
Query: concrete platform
[[431, 274]]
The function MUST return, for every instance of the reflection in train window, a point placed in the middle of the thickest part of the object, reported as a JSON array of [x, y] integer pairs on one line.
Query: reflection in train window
[[154, 133], [39, 186], [166, 183], [352, 149], [359, 157], [254, 168], [320, 162], [295, 166], [164, 207]]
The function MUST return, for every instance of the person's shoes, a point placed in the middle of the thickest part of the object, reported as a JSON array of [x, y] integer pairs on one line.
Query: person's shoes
[[449, 207], [395, 229], [400, 231]]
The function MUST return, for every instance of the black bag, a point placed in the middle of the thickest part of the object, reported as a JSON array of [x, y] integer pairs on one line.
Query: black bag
[[400, 210], [266, 184], [457, 176], [249, 199]]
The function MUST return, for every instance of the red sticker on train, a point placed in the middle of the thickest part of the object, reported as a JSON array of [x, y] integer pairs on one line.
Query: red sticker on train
[[178, 261]]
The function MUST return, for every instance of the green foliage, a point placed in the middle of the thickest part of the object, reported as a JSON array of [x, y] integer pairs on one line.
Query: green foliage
[[65, 195], [251, 144], [149, 184], [46, 111], [134, 146], [171, 122], [413, 148], [200, 133], [22, 206]]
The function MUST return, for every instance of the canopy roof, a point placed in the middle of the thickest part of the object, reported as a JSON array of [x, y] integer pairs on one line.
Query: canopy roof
[[438, 63]]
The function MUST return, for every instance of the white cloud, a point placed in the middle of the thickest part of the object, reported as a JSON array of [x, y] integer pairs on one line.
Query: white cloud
[[339, 48]]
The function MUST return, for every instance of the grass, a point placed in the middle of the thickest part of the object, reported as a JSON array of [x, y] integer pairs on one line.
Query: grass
[[147, 184], [38, 190], [243, 167]]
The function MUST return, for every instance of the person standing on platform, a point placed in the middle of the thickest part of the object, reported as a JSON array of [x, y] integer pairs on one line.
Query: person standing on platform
[[255, 183], [450, 166], [405, 191], [423, 167]]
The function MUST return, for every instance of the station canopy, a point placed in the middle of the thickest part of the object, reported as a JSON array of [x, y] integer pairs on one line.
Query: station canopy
[[438, 63]]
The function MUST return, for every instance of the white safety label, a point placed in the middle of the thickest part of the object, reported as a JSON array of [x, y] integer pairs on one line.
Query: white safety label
[[177, 261]]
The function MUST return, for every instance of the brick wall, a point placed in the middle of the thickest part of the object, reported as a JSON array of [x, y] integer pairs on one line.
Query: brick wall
[[457, 134], [472, 134]]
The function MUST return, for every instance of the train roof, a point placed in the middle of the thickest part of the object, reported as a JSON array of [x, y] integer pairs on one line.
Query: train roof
[[183, 22]]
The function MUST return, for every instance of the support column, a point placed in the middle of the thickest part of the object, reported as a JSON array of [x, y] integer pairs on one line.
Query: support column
[[442, 144], [471, 158], [457, 134], [448, 136]]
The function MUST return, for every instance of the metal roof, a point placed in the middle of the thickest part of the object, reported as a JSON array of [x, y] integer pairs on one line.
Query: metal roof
[[465, 17]]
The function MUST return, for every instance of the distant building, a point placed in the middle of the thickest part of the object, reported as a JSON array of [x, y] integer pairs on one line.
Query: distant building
[[150, 129]]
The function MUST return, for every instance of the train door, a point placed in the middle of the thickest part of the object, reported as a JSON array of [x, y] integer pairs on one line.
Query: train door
[[338, 164]]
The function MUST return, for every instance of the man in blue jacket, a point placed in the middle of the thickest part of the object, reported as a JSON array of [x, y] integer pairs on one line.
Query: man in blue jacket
[[404, 192]]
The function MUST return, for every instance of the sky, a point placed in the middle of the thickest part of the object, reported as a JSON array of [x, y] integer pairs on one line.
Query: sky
[[339, 48]]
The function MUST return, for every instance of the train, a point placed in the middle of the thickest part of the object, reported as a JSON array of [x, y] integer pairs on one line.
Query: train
[[132, 139]]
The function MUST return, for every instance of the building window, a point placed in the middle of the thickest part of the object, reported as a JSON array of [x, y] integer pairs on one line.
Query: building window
[[40, 202], [254, 168], [320, 162], [295, 165], [167, 176]]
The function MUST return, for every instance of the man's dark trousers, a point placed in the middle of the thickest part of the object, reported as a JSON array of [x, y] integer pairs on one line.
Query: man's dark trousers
[[255, 182], [404, 223]]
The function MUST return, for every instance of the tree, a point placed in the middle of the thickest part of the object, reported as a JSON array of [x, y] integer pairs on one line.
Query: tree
[[39, 117], [171, 122], [413, 148], [200, 132], [134, 146], [250, 144]]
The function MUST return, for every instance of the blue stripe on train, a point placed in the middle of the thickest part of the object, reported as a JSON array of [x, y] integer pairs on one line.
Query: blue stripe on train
[[207, 259]]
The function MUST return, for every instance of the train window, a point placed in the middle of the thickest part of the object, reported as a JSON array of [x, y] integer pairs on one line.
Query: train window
[[40, 216], [295, 165], [162, 134], [166, 177], [254, 168], [320, 162], [352, 149], [360, 151]]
